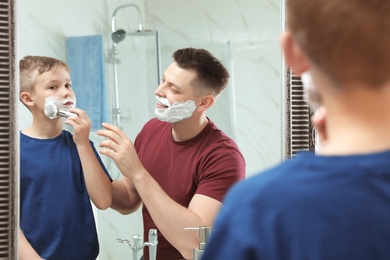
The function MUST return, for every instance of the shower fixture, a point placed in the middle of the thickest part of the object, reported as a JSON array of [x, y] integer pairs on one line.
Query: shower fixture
[[140, 21], [117, 36]]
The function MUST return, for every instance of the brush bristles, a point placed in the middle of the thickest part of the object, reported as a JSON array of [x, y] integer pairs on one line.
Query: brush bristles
[[51, 110]]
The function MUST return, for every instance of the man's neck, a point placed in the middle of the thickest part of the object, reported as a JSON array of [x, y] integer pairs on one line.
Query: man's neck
[[188, 128]]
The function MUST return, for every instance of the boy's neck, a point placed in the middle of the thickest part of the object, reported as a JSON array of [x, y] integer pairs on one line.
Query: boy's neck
[[44, 129], [358, 122]]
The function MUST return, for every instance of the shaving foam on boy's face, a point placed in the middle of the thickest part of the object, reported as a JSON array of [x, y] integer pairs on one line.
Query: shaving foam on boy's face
[[176, 112], [65, 104]]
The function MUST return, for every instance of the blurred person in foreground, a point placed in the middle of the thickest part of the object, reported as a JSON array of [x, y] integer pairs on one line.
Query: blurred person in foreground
[[336, 204]]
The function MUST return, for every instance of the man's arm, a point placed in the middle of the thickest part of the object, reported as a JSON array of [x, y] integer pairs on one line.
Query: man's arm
[[125, 199], [170, 217]]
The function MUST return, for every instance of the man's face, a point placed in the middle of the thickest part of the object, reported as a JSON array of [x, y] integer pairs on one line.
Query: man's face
[[175, 85]]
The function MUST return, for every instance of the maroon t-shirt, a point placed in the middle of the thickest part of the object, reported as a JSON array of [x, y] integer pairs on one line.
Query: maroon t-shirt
[[208, 164]]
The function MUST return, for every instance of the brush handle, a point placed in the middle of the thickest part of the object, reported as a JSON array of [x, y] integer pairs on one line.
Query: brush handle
[[65, 113]]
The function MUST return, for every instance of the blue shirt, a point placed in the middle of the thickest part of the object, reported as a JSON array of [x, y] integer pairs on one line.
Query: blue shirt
[[55, 210], [310, 207]]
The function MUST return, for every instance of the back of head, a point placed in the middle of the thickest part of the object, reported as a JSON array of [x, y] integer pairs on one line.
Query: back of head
[[347, 39], [212, 76], [33, 66]]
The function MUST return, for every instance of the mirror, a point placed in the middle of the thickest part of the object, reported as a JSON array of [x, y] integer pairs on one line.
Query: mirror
[[244, 34]]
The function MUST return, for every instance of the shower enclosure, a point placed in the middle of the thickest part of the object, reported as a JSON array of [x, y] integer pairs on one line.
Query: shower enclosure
[[145, 49], [135, 61]]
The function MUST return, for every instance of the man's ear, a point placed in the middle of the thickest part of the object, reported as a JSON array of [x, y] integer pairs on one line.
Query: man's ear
[[206, 102], [26, 99], [293, 54]]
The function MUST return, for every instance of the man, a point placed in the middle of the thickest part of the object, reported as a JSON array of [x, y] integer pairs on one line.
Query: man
[[181, 164], [335, 205]]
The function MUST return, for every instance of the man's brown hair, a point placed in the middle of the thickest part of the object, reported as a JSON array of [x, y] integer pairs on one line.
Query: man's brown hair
[[212, 77]]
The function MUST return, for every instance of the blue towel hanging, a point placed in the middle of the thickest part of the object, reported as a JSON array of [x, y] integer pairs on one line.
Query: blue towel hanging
[[85, 58]]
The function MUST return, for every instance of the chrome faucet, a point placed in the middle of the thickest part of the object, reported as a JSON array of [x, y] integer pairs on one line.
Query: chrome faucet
[[136, 245], [204, 234]]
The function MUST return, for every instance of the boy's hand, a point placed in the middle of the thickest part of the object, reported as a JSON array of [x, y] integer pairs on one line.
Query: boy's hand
[[81, 126], [119, 147]]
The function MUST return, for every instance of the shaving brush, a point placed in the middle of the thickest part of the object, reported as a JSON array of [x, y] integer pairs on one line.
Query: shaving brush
[[53, 110]]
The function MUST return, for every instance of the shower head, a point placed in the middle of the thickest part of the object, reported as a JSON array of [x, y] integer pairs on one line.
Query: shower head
[[141, 32], [118, 36]]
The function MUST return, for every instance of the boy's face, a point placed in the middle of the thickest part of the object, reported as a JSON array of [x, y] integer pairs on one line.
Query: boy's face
[[54, 83]]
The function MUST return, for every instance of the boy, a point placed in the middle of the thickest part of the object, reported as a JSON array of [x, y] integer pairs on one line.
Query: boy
[[59, 172], [335, 205]]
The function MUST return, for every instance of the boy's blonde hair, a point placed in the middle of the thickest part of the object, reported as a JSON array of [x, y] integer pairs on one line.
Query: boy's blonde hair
[[33, 66], [349, 40]]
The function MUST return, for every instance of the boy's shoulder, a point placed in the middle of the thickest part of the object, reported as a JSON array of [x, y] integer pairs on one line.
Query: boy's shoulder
[[309, 175]]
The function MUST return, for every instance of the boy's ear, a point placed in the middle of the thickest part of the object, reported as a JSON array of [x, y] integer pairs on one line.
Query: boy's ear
[[25, 97], [206, 102], [293, 54]]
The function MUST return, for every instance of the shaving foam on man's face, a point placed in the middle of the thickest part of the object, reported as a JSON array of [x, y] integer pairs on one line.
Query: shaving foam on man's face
[[175, 112]]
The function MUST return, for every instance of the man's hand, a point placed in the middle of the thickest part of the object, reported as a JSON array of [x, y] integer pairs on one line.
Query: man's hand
[[120, 148]]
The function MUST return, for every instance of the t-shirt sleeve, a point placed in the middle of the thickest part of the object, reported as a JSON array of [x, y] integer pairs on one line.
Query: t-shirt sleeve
[[222, 168], [100, 160]]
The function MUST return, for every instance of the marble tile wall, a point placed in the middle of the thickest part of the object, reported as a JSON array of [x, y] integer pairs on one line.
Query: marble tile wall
[[252, 29]]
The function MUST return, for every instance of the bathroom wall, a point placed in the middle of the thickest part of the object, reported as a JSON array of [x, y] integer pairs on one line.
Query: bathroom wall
[[250, 29]]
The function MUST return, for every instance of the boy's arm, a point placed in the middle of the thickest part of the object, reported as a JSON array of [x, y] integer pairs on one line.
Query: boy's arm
[[26, 251], [98, 184]]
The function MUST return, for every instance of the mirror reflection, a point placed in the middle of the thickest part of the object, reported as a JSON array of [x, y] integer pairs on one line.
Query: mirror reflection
[[243, 35]]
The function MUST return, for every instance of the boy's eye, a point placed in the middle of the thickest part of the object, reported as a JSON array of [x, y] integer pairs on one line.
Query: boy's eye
[[52, 87], [68, 85]]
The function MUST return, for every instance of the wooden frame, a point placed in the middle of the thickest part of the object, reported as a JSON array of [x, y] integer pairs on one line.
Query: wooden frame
[[9, 145]]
